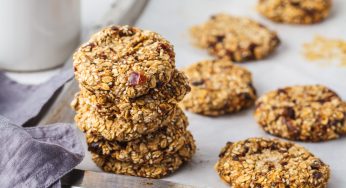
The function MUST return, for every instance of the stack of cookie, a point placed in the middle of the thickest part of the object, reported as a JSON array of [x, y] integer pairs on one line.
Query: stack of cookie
[[127, 104]]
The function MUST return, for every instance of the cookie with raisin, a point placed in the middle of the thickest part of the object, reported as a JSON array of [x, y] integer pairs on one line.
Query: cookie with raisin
[[218, 87], [148, 149], [146, 108], [306, 113], [235, 38], [166, 166], [262, 162], [295, 11], [124, 61]]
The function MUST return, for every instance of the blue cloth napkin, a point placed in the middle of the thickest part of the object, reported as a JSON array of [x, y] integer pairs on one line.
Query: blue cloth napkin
[[36, 156]]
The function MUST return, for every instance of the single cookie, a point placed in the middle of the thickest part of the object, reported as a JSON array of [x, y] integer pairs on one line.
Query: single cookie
[[295, 11], [119, 128], [306, 113], [235, 38], [146, 108], [218, 87], [167, 165], [124, 61], [149, 149], [260, 162]]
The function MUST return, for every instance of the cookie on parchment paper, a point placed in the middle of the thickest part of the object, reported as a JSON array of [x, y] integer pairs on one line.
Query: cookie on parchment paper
[[218, 87], [295, 11], [307, 113], [235, 38], [262, 162]]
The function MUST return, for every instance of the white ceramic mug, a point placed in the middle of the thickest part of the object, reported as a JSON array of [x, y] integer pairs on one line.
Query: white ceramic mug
[[37, 34]]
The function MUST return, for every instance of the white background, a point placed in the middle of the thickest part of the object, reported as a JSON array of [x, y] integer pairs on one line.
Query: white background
[[286, 67]]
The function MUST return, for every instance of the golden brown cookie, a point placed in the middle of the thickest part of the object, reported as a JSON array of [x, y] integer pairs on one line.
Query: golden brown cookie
[[149, 107], [119, 128], [218, 87], [261, 162], [306, 113], [235, 38], [148, 149], [124, 61], [167, 165], [295, 11]]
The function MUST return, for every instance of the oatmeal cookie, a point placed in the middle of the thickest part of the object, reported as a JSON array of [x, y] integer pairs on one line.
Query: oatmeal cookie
[[306, 113], [119, 128], [235, 38], [167, 165], [295, 11], [124, 61], [146, 108], [149, 149], [261, 162], [218, 87]]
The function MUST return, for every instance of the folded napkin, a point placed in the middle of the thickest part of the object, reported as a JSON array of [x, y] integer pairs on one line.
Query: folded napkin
[[35, 156], [20, 103]]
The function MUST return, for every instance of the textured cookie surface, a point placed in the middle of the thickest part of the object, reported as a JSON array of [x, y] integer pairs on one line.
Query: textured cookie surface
[[260, 162], [218, 87], [167, 165], [146, 108], [307, 113], [295, 11], [149, 149], [124, 61], [121, 129], [235, 38]]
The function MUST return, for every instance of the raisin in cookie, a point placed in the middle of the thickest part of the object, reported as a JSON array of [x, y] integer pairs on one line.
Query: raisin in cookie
[[295, 11], [149, 149], [124, 61], [218, 87], [235, 38], [149, 107], [306, 113], [260, 162]]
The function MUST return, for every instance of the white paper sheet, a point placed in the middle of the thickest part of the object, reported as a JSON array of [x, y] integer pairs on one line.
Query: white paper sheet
[[286, 67]]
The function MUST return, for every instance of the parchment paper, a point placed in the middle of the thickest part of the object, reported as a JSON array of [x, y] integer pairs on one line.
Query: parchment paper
[[286, 67]]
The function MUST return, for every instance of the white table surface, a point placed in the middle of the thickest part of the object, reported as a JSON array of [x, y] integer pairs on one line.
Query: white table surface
[[286, 67]]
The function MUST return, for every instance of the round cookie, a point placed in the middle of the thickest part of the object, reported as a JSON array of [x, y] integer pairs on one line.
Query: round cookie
[[167, 165], [235, 38], [218, 87], [124, 61], [146, 108], [149, 149], [306, 113], [261, 162], [121, 129], [295, 11]]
